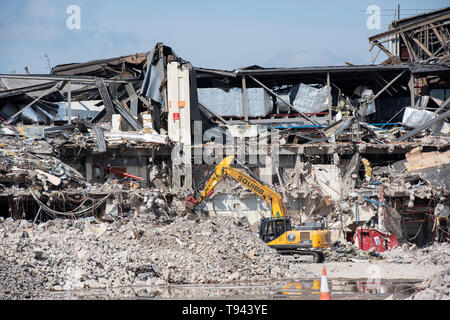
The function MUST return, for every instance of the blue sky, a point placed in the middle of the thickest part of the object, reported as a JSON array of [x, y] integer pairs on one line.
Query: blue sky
[[224, 34]]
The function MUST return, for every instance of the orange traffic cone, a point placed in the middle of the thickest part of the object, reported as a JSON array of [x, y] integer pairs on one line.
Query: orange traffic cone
[[324, 289]]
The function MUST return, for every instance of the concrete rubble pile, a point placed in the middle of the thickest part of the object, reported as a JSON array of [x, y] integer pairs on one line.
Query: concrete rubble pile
[[139, 250], [346, 252], [437, 254], [434, 288], [27, 162]]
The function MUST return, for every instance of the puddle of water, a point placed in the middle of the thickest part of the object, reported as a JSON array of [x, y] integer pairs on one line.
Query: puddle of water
[[351, 289], [289, 290]]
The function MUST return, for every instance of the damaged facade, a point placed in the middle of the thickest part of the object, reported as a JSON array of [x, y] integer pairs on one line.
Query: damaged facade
[[362, 147]]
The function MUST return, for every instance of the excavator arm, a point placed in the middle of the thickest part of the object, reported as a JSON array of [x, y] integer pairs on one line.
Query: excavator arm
[[276, 232], [224, 169]]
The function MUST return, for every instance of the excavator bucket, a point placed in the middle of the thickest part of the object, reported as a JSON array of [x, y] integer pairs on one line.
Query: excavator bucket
[[190, 204], [189, 207]]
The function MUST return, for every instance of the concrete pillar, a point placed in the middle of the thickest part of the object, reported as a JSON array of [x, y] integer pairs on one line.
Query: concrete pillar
[[179, 121]]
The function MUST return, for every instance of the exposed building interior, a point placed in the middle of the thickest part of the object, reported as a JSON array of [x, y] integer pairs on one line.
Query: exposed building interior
[[361, 148]]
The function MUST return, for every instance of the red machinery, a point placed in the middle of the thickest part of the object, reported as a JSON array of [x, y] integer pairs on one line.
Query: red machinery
[[372, 238]]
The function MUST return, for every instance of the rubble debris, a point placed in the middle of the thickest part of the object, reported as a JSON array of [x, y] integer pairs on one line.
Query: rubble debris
[[29, 163], [109, 255], [417, 160], [437, 254], [434, 288], [137, 137], [426, 125], [346, 252]]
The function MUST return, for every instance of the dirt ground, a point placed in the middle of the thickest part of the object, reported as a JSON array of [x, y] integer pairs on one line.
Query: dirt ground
[[366, 270]]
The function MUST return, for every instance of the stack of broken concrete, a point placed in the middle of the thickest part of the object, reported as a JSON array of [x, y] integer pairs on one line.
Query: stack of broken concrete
[[29, 162], [422, 174], [434, 288], [62, 255], [437, 254], [346, 252]]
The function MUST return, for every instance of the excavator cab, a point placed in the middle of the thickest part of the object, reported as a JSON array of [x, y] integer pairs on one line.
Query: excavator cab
[[270, 229], [279, 234]]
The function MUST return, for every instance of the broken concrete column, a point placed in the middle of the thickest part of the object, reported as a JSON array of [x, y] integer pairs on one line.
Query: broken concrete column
[[181, 167], [348, 180]]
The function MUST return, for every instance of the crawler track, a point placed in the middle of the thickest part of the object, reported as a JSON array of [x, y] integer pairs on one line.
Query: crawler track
[[319, 256]]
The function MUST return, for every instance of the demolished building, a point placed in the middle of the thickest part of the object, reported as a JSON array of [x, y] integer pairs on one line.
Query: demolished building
[[365, 148]]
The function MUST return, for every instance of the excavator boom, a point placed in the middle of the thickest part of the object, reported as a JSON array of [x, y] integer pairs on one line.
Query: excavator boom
[[224, 169], [276, 232]]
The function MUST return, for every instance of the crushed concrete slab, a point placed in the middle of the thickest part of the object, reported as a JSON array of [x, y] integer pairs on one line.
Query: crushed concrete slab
[[134, 251], [435, 287]]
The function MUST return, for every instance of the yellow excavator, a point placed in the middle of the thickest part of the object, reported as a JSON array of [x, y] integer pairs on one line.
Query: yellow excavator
[[277, 232]]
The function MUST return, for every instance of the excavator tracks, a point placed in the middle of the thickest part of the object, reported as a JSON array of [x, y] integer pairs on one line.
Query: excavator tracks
[[319, 256]]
